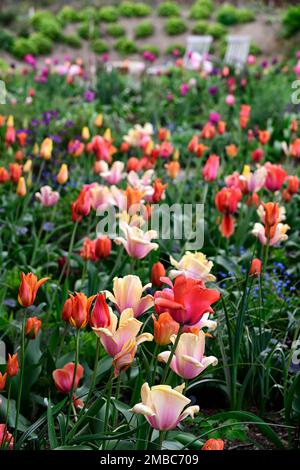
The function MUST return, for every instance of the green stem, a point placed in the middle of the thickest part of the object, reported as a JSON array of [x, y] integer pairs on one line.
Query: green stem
[[164, 377], [153, 364], [7, 412], [108, 400], [161, 439], [74, 378], [69, 252], [21, 374], [93, 381], [117, 394]]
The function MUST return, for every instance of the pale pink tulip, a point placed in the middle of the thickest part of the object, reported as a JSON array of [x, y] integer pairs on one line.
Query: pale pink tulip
[[47, 197], [115, 174], [136, 242]]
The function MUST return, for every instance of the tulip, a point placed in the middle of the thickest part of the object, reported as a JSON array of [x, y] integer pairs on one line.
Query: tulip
[[187, 300], [6, 437], [82, 206], [278, 234], [98, 120], [28, 288], [133, 197], [27, 167], [230, 100], [136, 242], [87, 252], [12, 367], [103, 247], [75, 148], [194, 266], [133, 164], [100, 316], [85, 133], [295, 148], [47, 197], [231, 150], [46, 148], [159, 189], [157, 271], [211, 167], [164, 407], [3, 378], [33, 326], [213, 444], [173, 169], [62, 175], [244, 115], [76, 310], [189, 360], [257, 155], [264, 137], [276, 176], [255, 268], [15, 172], [164, 328], [227, 200], [10, 135], [63, 378], [21, 187], [120, 339], [115, 174], [127, 293], [293, 184], [4, 175]]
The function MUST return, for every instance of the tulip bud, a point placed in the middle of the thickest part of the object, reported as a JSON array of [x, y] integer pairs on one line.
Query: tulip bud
[[33, 326], [100, 317], [255, 269], [213, 444], [164, 328], [46, 148], [27, 166], [62, 175], [157, 271], [21, 187], [103, 247], [99, 120], [85, 133], [12, 367], [133, 164], [76, 310], [2, 381]]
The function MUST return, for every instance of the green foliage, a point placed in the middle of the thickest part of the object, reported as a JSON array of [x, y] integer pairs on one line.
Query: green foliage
[[47, 24], [291, 21], [72, 40], [115, 30], [144, 30], [108, 14], [23, 46], [175, 26], [201, 9], [125, 46], [132, 9], [201, 27], [229, 15], [255, 49], [6, 40], [245, 15], [41, 43], [176, 47], [99, 46], [168, 9], [216, 30], [88, 30], [7, 16], [68, 14], [88, 14], [150, 48]]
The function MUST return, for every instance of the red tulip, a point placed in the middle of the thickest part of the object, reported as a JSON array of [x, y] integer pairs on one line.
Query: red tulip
[[12, 367], [276, 176], [157, 271], [100, 317], [211, 167], [63, 378], [255, 268], [103, 247], [227, 200], [213, 444], [33, 326], [6, 437]]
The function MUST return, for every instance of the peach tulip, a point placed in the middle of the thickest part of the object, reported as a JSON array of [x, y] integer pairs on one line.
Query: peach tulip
[[136, 242], [62, 175], [193, 265], [164, 407]]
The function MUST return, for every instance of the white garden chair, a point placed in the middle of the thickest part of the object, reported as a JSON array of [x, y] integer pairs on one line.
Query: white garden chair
[[199, 45], [237, 50]]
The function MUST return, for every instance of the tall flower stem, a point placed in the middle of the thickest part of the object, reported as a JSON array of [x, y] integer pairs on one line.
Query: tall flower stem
[[161, 439], [93, 381], [21, 374], [74, 377], [108, 400], [153, 363], [164, 377], [71, 245]]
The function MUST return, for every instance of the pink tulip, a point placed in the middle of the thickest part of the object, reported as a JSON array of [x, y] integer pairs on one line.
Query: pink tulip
[[136, 242], [210, 169], [115, 174], [47, 196]]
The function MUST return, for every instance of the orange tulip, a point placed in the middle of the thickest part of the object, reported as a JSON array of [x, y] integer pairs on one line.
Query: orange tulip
[[15, 172], [255, 268], [76, 310], [62, 175], [46, 148], [28, 288], [164, 328], [213, 444], [12, 367], [33, 326], [103, 247], [157, 271], [172, 169], [231, 150], [21, 187], [4, 175], [2, 381]]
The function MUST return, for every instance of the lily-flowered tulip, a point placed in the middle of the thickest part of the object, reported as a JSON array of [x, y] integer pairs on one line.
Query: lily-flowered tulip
[[194, 266], [115, 174], [210, 169], [76, 310], [136, 242], [186, 301], [226, 202], [100, 316], [12, 367], [63, 174], [33, 326], [189, 360], [46, 148], [213, 444], [47, 197], [21, 187], [63, 378], [157, 271], [6, 437], [82, 206], [28, 288], [103, 247], [164, 328], [164, 407], [278, 235], [3, 378], [127, 293], [120, 340]]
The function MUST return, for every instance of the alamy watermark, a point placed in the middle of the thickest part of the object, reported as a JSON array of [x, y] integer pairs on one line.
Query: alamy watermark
[[296, 352], [171, 222], [2, 92]]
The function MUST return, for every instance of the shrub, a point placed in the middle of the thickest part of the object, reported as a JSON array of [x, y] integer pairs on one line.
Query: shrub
[[168, 9], [144, 30], [291, 21], [201, 27], [99, 46], [4, 67], [47, 24], [245, 15], [23, 46], [6, 40], [72, 40], [201, 10], [125, 46], [41, 43], [87, 31], [131, 9], [216, 30], [254, 49], [88, 14], [175, 26], [7, 17], [178, 48], [68, 15], [150, 48], [227, 15], [108, 14], [115, 30]]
